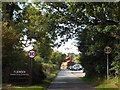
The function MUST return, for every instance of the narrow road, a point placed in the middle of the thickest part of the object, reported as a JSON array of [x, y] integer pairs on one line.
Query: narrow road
[[66, 80]]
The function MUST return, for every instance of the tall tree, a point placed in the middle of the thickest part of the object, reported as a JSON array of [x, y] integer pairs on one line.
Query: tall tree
[[96, 25]]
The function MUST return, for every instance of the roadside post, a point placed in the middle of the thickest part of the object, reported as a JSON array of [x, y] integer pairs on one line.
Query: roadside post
[[107, 51], [31, 55]]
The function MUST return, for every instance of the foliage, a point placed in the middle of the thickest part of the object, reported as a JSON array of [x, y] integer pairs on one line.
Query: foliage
[[14, 57], [57, 57], [91, 46], [94, 25], [10, 38], [30, 22], [71, 54], [116, 63], [77, 59], [53, 60], [37, 74]]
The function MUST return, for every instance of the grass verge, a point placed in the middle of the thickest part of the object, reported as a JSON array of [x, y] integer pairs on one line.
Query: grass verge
[[42, 86], [112, 83]]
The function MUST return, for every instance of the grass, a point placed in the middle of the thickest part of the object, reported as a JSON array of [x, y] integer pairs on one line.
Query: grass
[[102, 84], [42, 86], [111, 83]]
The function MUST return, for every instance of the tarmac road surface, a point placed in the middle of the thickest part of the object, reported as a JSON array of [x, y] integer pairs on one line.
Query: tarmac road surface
[[67, 80]]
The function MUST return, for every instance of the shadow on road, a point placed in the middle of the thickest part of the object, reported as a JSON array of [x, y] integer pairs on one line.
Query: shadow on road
[[69, 80]]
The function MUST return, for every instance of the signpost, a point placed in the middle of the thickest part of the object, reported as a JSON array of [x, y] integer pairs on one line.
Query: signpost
[[31, 55], [107, 51]]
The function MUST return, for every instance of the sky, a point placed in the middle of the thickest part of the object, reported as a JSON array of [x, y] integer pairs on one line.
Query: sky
[[68, 47]]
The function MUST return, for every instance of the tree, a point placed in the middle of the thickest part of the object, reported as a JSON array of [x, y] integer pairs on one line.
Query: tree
[[10, 37], [95, 24], [14, 57], [76, 59]]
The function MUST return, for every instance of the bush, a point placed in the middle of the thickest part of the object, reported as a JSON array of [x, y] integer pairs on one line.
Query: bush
[[37, 74], [49, 68]]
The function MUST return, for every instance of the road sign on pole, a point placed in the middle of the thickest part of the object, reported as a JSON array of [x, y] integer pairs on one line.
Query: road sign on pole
[[32, 54], [107, 50]]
